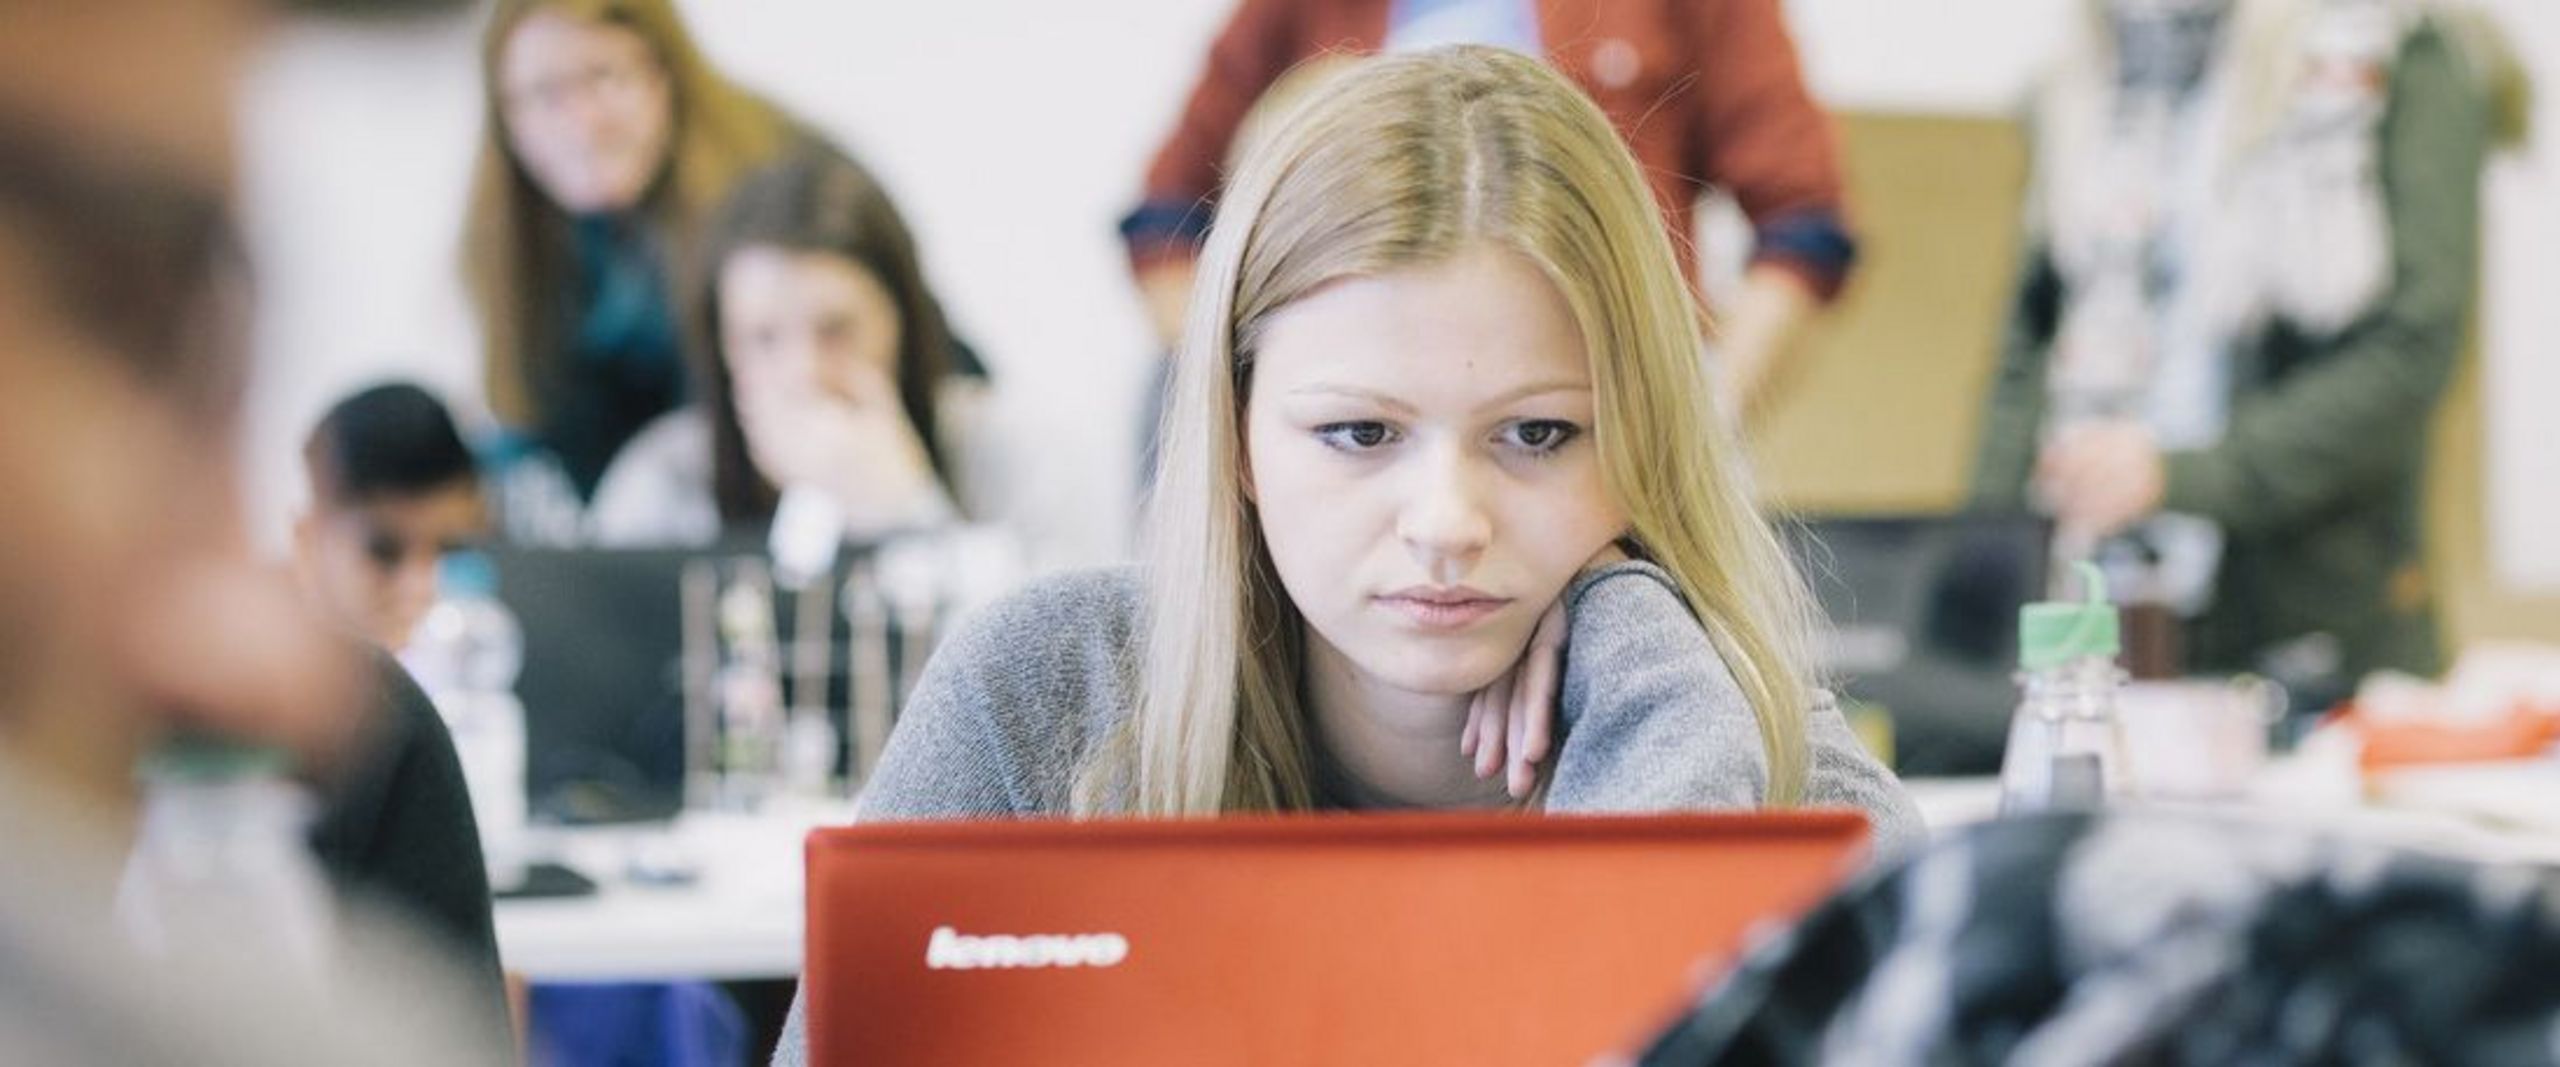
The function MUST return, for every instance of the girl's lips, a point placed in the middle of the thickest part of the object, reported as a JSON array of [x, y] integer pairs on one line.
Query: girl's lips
[[1436, 613]]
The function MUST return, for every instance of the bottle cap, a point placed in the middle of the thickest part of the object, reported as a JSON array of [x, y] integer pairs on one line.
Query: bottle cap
[[2051, 633], [467, 573]]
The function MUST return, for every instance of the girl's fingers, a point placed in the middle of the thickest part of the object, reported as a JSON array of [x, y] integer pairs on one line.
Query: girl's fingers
[[1493, 732], [1538, 698], [1475, 721], [1520, 773]]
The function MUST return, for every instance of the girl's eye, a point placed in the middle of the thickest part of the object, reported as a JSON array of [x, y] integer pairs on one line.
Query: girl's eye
[[1354, 436], [1542, 437]]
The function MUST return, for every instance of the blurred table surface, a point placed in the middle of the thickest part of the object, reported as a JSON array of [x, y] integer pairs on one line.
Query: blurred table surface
[[740, 916], [2504, 812]]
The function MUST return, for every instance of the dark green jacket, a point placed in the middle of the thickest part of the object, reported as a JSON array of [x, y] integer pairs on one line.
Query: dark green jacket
[[2317, 480]]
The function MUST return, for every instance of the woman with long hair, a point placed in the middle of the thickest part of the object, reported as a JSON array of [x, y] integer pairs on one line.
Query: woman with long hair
[[609, 140], [1439, 408], [826, 365]]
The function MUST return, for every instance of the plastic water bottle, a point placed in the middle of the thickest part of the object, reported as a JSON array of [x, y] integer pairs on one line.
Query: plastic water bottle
[[748, 692], [222, 863], [466, 655], [2066, 744]]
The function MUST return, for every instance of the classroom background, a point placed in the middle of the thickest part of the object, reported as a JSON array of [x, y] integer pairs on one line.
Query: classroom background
[[1012, 133]]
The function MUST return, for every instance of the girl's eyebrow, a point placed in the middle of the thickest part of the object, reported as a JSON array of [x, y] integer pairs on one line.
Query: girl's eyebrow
[[1537, 389], [1383, 400], [1354, 393]]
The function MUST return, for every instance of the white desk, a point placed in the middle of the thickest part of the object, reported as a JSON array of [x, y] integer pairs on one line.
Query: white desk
[[2489, 813], [739, 918], [742, 917]]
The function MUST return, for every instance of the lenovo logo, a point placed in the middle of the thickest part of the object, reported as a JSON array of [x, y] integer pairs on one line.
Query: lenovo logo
[[951, 950]]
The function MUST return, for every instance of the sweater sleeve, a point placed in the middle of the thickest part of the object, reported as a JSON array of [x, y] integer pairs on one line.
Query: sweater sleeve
[[2350, 422], [1258, 44], [658, 491], [1653, 720], [1756, 131], [950, 755], [997, 724]]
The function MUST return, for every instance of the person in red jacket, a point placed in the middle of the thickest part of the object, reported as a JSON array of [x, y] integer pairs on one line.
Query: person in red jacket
[[1706, 92]]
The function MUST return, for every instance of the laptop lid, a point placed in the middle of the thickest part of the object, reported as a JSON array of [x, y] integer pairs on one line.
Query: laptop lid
[[1432, 938], [1923, 613], [602, 683]]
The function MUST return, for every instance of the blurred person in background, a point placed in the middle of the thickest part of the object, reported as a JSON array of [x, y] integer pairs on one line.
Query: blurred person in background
[[608, 141], [130, 605], [393, 490], [2253, 234], [1706, 92], [394, 830], [827, 365]]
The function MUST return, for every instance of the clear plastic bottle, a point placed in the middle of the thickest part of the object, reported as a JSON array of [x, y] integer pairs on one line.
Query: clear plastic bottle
[[466, 655], [222, 863], [748, 692], [2066, 744]]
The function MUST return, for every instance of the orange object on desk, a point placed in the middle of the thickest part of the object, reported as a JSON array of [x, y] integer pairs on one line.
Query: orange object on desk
[[1311, 939], [2522, 733]]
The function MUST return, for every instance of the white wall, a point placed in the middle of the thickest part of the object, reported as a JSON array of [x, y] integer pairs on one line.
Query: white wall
[[355, 146], [2520, 324], [1013, 132], [1970, 57]]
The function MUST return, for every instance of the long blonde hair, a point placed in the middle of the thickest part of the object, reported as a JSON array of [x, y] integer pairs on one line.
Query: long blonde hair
[[517, 258], [1400, 163]]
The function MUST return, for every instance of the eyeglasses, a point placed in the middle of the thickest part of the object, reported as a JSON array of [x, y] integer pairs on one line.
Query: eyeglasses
[[616, 79]]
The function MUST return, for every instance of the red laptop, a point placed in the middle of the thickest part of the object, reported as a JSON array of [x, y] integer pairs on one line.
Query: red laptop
[[1334, 939]]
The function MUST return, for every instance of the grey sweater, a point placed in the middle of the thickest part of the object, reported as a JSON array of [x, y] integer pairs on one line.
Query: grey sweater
[[1651, 719]]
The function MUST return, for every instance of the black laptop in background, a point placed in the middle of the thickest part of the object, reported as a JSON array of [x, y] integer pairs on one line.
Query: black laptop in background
[[1923, 613], [603, 679]]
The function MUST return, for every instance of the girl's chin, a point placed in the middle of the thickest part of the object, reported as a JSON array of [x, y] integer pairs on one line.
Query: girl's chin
[[1435, 672]]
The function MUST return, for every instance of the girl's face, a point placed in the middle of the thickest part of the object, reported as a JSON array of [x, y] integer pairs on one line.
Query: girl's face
[[795, 322], [1418, 445], [588, 110]]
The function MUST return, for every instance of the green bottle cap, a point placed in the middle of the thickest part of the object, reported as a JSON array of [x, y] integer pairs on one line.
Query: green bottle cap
[[2052, 633], [204, 758]]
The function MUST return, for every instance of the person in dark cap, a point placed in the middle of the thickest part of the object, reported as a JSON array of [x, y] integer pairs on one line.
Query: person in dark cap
[[393, 489]]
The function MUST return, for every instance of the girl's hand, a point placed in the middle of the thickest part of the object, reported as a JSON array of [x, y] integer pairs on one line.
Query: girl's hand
[[858, 448], [1511, 723]]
